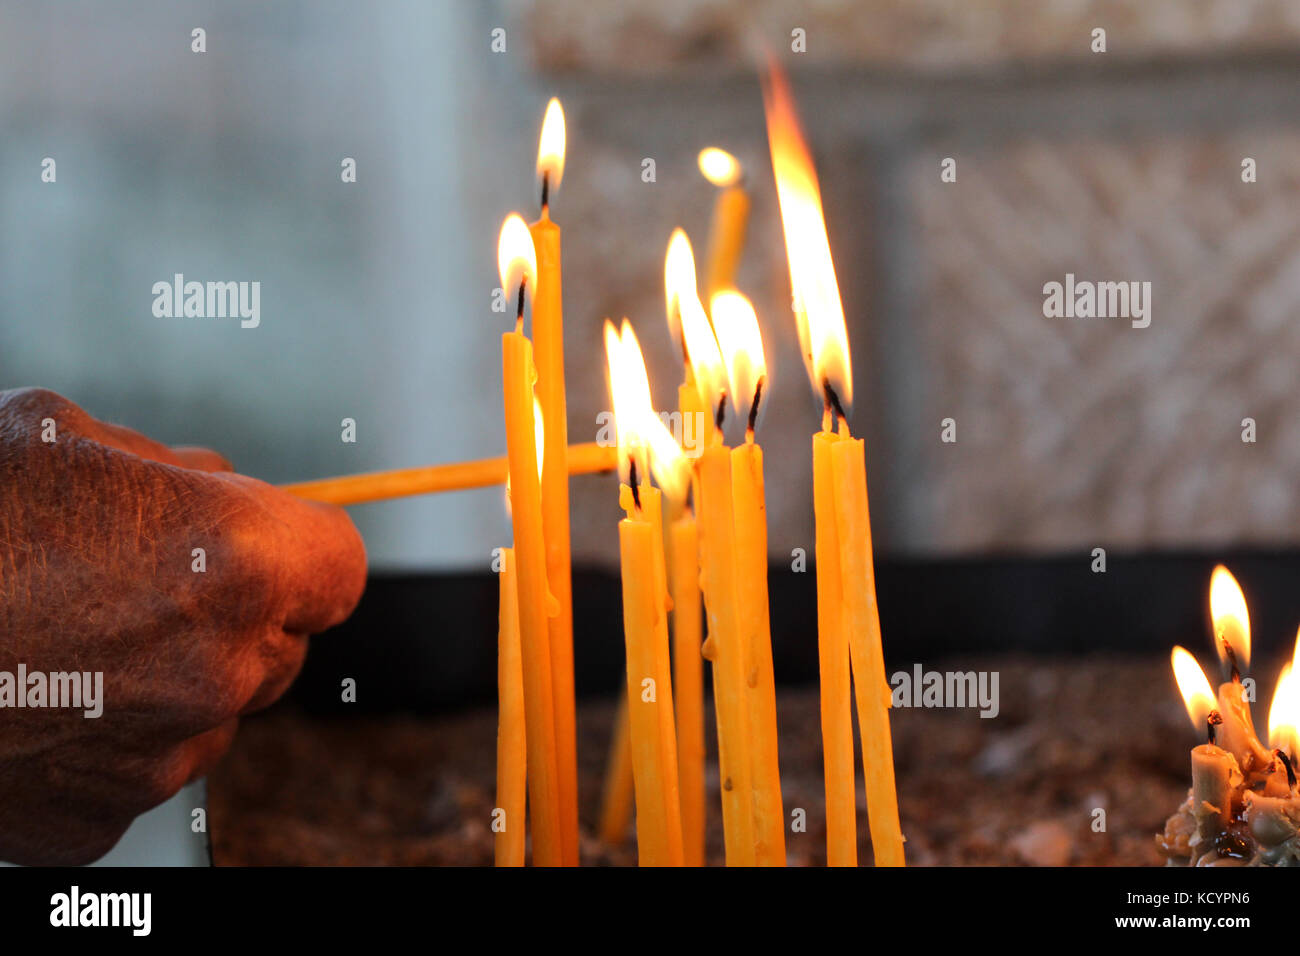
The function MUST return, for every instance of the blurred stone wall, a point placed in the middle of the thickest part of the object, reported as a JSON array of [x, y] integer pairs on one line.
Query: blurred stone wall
[[1115, 166]]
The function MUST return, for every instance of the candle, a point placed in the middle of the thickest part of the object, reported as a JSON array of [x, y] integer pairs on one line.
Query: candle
[[824, 340], [684, 571], [548, 341], [719, 580], [730, 218], [741, 345], [1215, 772], [833, 664], [582, 459], [617, 792], [517, 264], [645, 607], [688, 682], [512, 753]]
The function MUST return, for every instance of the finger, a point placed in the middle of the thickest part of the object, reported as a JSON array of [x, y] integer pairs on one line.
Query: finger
[[33, 410], [282, 655], [201, 459], [312, 550]]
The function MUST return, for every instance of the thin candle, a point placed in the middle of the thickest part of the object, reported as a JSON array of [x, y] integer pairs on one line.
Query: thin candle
[[823, 337], [548, 349], [512, 745], [583, 459], [645, 608], [730, 219], [741, 344], [720, 582], [683, 555]]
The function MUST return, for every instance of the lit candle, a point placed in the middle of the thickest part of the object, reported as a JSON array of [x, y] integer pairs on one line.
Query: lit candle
[[741, 344], [730, 218], [548, 341], [1216, 775], [824, 339], [517, 262], [684, 574], [645, 604], [720, 581]]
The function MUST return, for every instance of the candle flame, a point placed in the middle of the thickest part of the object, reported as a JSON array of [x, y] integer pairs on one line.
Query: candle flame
[[1230, 618], [551, 146], [642, 435], [1198, 697], [720, 167], [679, 279], [516, 256], [819, 313], [1284, 711], [702, 349], [741, 345]]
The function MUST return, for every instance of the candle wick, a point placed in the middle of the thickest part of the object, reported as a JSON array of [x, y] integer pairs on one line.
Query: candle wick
[[1290, 770], [636, 493], [753, 410], [519, 313], [722, 412], [546, 192], [1212, 721], [833, 401], [1231, 655]]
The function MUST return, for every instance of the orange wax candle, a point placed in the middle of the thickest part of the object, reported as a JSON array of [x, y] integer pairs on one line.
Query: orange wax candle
[[688, 683], [833, 662], [512, 747], [725, 649], [730, 219], [617, 793], [750, 521], [530, 559], [548, 338], [649, 685], [862, 627]]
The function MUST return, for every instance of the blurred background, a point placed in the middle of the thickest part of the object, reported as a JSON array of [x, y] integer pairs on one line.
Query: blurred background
[[1071, 434]]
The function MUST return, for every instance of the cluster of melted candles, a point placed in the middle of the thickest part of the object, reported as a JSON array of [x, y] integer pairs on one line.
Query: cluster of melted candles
[[694, 547], [1243, 807]]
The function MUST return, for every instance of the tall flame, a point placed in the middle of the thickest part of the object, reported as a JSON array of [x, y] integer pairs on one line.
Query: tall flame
[[551, 146], [1198, 696], [679, 279], [819, 314], [1230, 618], [741, 345], [693, 324], [720, 167], [516, 255], [642, 435]]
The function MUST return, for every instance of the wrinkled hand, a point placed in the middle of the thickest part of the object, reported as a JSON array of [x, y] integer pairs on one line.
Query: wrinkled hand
[[99, 572]]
